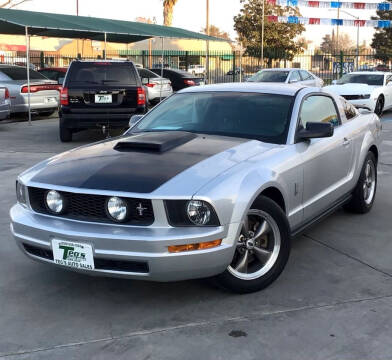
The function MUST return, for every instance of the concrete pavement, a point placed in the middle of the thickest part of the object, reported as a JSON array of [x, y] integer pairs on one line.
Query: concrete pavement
[[333, 301]]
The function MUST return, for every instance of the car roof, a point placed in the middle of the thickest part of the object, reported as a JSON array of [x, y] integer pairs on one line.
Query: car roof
[[269, 88], [60, 69], [282, 69], [371, 72]]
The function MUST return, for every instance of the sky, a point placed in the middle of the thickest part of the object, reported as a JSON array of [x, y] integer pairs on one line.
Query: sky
[[191, 14]]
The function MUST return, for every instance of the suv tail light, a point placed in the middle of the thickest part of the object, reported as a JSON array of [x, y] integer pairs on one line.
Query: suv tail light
[[64, 96], [7, 94], [141, 96], [189, 82]]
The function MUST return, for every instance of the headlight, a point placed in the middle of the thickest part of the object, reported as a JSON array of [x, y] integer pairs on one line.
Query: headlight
[[198, 212], [55, 202], [191, 213], [117, 208], [21, 193]]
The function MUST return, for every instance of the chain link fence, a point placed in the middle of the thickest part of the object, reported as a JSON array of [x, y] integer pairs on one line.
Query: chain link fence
[[223, 66]]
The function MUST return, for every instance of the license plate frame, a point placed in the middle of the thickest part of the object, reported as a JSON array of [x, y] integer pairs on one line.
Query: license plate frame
[[103, 98], [73, 254]]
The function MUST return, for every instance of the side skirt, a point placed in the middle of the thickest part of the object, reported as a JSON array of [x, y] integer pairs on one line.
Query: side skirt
[[338, 204]]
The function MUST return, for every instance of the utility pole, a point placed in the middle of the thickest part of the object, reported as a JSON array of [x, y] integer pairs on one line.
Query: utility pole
[[77, 40], [208, 42], [262, 36]]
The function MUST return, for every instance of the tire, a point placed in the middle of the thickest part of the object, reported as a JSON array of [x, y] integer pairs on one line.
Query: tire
[[267, 253], [379, 106], [65, 133], [365, 191]]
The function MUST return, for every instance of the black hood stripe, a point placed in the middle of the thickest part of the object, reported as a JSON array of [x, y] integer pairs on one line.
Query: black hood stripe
[[102, 167]]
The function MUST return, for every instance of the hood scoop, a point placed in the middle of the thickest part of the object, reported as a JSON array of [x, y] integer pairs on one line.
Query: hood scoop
[[157, 142]]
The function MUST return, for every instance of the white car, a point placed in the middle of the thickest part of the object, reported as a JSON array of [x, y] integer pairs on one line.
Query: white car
[[371, 89], [197, 69], [156, 87], [287, 76]]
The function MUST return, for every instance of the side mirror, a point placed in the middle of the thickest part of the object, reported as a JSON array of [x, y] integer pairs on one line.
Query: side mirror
[[363, 109], [334, 82], [315, 130], [293, 81], [134, 119], [145, 81]]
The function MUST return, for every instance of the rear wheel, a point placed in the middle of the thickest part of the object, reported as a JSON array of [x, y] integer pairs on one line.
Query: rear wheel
[[365, 190], [379, 106], [64, 132], [262, 251]]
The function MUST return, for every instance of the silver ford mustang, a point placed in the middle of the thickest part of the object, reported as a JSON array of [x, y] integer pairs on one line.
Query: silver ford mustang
[[213, 182]]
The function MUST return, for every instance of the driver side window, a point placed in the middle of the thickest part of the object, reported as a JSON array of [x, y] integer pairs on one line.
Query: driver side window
[[318, 108]]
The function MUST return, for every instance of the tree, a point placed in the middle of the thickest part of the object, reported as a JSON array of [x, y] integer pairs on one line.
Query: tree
[[215, 31], [279, 38], [382, 38], [331, 45], [168, 6]]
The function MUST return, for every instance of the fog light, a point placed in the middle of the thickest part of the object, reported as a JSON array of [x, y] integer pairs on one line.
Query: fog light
[[54, 201], [192, 247]]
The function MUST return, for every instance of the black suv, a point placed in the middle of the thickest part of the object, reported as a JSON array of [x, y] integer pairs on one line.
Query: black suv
[[99, 93]]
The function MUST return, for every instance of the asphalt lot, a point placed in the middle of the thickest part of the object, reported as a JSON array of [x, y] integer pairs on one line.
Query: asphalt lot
[[333, 301]]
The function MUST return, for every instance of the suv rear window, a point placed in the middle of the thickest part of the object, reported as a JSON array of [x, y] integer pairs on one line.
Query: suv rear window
[[19, 73], [101, 73]]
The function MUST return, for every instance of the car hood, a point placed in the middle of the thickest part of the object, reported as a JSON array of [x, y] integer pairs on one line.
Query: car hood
[[171, 162], [351, 89]]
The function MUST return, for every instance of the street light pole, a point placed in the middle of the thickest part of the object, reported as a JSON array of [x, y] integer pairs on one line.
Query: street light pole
[[208, 43]]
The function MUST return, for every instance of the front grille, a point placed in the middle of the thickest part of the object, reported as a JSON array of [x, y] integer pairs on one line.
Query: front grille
[[353, 97], [88, 207], [99, 263]]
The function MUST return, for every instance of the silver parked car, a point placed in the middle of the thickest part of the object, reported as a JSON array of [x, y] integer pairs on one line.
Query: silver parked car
[[44, 94], [5, 103], [287, 76], [156, 87], [214, 181]]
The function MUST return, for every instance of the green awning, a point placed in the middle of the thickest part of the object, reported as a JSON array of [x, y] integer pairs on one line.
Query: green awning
[[14, 22]]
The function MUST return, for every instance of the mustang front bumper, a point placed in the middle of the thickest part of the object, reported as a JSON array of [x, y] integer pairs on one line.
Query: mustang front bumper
[[127, 251]]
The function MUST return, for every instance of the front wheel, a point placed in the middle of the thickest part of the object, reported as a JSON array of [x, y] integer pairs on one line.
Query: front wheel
[[262, 250], [65, 134], [379, 106]]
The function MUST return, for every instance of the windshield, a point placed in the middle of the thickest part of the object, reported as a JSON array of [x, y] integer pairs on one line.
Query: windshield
[[369, 79], [269, 76], [19, 73], [259, 116], [102, 73]]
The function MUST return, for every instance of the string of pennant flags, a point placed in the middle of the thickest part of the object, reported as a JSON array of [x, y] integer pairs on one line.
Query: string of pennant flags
[[334, 22], [383, 6]]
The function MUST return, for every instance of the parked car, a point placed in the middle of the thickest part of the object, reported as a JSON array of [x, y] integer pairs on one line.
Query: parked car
[[237, 71], [288, 76], [156, 88], [44, 94], [371, 90], [381, 67], [5, 103], [197, 70], [99, 93], [205, 184], [56, 73], [179, 79]]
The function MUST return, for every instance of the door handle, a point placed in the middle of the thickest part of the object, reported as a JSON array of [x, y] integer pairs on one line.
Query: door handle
[[346, 142]]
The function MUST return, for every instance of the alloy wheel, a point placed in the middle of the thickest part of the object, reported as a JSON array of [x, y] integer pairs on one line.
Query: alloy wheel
[[258, 246], [369, 183]]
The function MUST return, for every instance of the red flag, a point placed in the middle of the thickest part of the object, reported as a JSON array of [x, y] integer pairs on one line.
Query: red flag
[[358, 5], [273, 2], [314, 21], [272, 18], [315, 4], [359, 22]]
